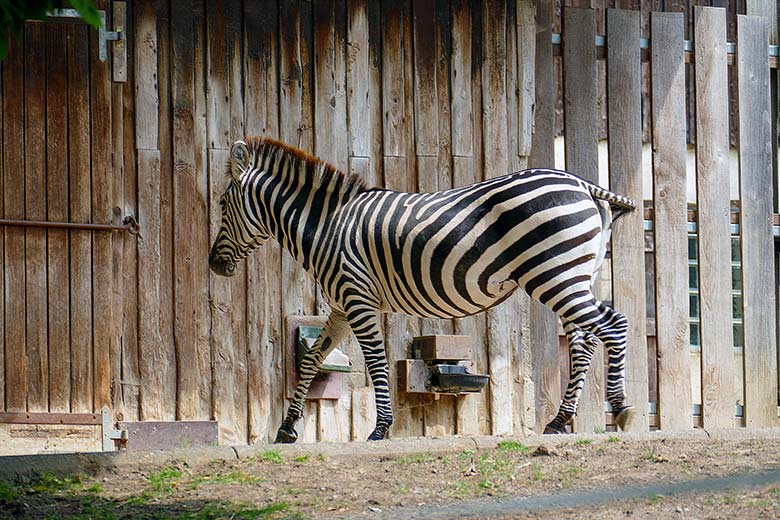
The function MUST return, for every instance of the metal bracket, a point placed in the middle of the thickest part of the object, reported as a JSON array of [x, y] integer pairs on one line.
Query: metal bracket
[[111, 435], [104, 36]]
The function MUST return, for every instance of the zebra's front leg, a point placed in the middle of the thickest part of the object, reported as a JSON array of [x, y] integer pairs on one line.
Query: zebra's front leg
[[580, 355], [365, 326], [335, 331]]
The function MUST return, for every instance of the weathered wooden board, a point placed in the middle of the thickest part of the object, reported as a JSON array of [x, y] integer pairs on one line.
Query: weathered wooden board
[[188, 400], [526, 74], [264, 352], [624, 90], [24, 439], [670, 221], [35, 294], [580, 88], [80, 241], [500, 321], [13, 261], [712, 181], [543, 322], [755, 223], [101, 197]]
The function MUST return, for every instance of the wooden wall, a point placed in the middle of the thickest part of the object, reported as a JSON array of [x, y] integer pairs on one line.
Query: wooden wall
[[413, 96]]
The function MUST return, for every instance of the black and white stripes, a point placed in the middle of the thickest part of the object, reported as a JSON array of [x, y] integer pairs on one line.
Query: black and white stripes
[[436, 255]]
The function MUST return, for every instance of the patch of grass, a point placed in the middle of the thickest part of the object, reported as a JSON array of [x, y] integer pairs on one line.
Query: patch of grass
[[416, 458], [536, 472], [583, 442], [514, 447], [760, 503], [303, 458], [402, 489], [487, 484], [48, 483], [234, 477], [599, 430], [165, 480], [654, 500], [239, 512], [465, 455], [649, 454], [321, 457], [572, 471], [8, 492], [613, 438], [271, 456]]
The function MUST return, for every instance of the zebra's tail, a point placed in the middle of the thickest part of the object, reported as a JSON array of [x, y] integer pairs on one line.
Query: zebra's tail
[[618, 203]]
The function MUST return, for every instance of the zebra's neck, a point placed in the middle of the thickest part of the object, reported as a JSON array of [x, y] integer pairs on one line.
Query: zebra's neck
[[300, 194]]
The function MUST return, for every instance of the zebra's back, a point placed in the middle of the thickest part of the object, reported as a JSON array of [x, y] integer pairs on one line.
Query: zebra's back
[[461, 251]]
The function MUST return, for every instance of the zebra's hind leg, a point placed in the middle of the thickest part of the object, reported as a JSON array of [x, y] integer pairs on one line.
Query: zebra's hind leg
[[580, 355], [611, 330], [365, 325], [336, 329]]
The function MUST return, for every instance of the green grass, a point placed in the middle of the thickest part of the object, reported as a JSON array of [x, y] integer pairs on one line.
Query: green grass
[[234, 477], [302, 458], [654, 500], [536, 472], [514, 447], [271, 456], [48, 483], [466, 455], [417, 458], [164, 481], [613, 438], [583, 442], [599, 430], [8, 492], [572, 471]]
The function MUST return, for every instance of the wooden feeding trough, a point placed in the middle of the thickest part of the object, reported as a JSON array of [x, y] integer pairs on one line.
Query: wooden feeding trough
[[441, 364]]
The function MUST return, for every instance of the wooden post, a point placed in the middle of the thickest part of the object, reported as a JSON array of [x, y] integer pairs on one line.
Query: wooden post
[[624, 90], [500, 320], [34, 185], [581, 133], [543, 322], [670, 222], [712, 186], [755, 223]]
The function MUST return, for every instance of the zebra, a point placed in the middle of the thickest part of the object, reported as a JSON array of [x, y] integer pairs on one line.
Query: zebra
[[445, 254]]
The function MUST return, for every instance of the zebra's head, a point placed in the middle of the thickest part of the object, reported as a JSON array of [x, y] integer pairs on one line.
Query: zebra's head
[[242, 229]]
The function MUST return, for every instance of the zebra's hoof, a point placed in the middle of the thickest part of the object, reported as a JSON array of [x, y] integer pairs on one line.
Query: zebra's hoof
[[286, 434], [625, 417], [379, 433]]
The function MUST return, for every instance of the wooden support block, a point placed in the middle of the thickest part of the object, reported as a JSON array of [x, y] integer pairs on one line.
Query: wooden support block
[[441, 346], [413, 375]]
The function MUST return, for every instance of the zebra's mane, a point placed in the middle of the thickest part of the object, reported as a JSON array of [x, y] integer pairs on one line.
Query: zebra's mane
[[322, 172]]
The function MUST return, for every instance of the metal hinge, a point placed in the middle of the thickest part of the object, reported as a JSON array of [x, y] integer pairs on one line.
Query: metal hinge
[[104, 36], [111, 435]]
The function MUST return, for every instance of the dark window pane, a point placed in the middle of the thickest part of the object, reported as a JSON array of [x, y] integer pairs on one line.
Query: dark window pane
[[695, 341], [738, 331], [693, 277], [694, 305]]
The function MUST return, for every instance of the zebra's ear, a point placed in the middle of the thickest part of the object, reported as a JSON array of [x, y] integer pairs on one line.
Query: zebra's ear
[[239, 159]]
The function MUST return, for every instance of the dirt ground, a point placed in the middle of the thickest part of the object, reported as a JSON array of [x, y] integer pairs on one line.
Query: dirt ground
[[270, 485]]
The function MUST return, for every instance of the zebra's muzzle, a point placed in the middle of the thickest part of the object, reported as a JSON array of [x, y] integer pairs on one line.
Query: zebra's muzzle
[[220, 266]]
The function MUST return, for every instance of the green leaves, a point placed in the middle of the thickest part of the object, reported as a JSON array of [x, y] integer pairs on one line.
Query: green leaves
[[13, 14]]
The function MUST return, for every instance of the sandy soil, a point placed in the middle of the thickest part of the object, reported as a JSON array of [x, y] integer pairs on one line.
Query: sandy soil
[[271, 486]]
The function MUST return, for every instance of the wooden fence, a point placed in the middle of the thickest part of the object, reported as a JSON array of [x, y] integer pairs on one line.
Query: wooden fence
[[420, 95]]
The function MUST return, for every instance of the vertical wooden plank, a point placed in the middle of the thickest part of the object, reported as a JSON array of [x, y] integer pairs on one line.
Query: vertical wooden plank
[[264, 349], [330, 117], [755, 223], [464, 172], [543, 322], [201, 218], [397, 120], [13, 263], [624, 91], [80, 241], [102, 311], [57, 210], [526, 77], [712, 176], [363, 413], [580, 89], [2, 253], [157, 361], [35, 209], [494, 131], [225, 119], [131, 377], [188, 406], [670, 221], [358, 109]]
